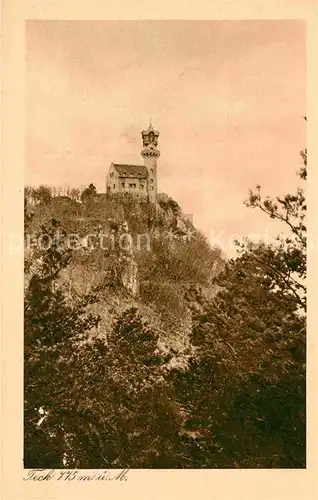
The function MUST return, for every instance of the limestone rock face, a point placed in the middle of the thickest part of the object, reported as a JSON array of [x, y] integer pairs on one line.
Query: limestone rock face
[[128, 264]]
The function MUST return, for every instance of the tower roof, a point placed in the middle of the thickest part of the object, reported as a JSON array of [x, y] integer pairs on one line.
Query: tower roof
[[150, 129]]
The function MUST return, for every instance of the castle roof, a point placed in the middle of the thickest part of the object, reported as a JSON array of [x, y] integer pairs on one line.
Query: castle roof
[[131, 170]]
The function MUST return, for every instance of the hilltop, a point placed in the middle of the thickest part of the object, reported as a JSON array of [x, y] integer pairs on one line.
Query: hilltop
[[149, 255]]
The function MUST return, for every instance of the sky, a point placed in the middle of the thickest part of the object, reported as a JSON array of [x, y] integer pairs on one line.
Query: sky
[[228, 98]]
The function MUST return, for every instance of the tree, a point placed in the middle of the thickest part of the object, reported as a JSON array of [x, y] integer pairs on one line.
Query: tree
[[52, 325], [89, 193], [250, 351], [75, 194], [89, 403], [286, 261], [144, 418], [43, 194]]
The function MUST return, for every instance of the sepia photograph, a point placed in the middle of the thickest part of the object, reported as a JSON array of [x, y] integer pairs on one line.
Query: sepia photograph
[[165, 244]]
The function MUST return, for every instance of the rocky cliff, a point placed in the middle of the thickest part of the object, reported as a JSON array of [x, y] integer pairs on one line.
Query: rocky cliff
[[146, 255]]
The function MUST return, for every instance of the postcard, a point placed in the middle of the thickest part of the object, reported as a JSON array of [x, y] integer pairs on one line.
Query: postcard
[[158, 226]]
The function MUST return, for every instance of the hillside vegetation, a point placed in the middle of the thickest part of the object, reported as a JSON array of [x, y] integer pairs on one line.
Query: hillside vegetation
[[162, 355], [168, 260]]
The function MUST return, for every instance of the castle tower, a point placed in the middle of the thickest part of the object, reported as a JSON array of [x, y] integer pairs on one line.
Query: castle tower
[[150, 153]]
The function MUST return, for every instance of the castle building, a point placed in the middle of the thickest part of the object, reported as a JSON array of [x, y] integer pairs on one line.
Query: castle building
[[138, 180]]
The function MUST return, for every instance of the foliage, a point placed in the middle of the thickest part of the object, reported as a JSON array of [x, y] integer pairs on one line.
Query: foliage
[[89, 193], [42, 194], [122, 401], [88, 403], [285, 262], [251, 351], [51, 326], [172, 205]]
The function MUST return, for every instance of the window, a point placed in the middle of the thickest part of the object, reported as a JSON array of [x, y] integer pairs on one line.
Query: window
[[112, 174], [151, 170], [151, 180], [152, 188], [114, 186], [132, 186], [123, 184]]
